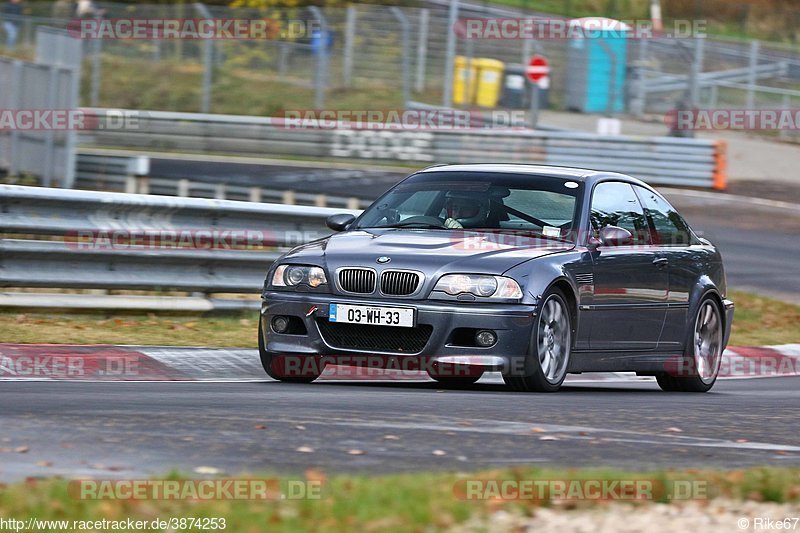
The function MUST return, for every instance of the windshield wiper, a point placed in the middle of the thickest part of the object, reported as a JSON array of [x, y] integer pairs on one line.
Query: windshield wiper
[[524, 231], [423, 225]]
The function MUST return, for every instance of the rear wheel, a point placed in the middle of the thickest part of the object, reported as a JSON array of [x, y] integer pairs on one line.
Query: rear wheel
[[703, 354], [550, 347], [277, 367]]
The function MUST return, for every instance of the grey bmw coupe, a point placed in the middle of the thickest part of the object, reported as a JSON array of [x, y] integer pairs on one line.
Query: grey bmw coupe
[[532, 271]]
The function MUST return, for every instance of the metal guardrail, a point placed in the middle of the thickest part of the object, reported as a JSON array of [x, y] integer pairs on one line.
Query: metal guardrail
[[98, 240], [655, 81], [100, 171], [658, 160]]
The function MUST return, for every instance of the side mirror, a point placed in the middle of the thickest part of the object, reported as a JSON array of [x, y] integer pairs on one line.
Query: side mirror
[[615, 236], [340, 222]]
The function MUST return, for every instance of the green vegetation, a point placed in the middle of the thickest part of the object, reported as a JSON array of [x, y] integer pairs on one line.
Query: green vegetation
[[758, 321], [408, 502]]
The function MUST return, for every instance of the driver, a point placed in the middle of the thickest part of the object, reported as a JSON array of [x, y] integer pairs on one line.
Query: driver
[[466, 209]]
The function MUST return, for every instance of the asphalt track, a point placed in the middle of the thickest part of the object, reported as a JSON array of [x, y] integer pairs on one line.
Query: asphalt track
[[122, 430]]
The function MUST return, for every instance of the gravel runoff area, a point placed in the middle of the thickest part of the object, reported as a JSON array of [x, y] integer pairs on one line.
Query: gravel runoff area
[[717, 515]]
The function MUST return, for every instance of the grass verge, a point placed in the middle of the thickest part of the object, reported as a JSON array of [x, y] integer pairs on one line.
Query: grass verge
[[408, 502], [758, 321]]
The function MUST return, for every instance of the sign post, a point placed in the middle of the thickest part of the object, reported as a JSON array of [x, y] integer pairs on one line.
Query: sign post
[[538, 72]]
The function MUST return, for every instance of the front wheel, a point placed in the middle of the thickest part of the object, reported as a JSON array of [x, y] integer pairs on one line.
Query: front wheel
[[277, 367], [699, 367], [550, 347]]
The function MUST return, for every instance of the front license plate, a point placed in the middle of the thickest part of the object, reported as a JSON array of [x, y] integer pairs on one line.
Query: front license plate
[[372, 315]]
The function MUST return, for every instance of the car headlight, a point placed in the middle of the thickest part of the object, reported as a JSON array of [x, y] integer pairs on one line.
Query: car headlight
[[293, 275], [483, 286]]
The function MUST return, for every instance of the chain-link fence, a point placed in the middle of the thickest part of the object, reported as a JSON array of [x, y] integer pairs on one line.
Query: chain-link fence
[[373, 56]]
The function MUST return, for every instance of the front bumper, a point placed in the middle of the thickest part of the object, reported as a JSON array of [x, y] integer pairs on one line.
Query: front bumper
[[511, 322]]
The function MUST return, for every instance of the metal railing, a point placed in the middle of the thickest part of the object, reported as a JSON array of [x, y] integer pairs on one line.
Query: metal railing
[[69, 239], [657, 160], [100, 171]]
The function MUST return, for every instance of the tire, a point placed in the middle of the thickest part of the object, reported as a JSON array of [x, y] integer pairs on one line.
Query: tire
[[274, 367], [550, 347], [455, 376], [702, 356]]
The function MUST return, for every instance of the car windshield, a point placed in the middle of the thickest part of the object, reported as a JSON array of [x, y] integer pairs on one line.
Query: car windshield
[[478, 201]]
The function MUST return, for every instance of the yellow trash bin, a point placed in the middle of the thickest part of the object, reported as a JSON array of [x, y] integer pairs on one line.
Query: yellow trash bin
[[490, 77], [464, 81]]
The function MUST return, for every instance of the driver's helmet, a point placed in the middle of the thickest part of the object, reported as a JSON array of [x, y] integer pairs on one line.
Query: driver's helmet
[[471, 209]]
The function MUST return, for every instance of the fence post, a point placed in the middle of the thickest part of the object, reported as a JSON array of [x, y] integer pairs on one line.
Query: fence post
[[422, 48], [321, 73], [785, 104], [208, 63], [447, 90], [13, 152], [405, 28], [751, 75], [696, 69], [49, 135], [349, 38], [97, 48]]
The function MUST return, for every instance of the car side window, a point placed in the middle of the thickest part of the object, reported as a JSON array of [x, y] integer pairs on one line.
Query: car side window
[[615, 204], [669, 227]]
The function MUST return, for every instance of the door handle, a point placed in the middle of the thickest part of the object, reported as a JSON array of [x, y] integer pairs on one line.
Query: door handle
[[661, 261]]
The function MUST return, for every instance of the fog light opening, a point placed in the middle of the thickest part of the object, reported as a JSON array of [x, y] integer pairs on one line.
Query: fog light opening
[[280, 324], [485, 338]]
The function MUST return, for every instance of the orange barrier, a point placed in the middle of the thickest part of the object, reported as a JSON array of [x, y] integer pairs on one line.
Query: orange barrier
[[720, 165]]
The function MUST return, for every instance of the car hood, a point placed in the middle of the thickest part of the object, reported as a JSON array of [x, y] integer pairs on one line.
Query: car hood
[[430, 251]]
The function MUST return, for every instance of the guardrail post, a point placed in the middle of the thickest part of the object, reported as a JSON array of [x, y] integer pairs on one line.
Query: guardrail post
[[320, 200], [288, 198], [183, 187], [219, 191], [422, 49], [353, 203], [143, 184], [450, 56], [405, 28], [255, 194], [349, 38]]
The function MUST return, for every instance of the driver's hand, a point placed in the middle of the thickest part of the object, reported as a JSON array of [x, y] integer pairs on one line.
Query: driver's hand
[[452, 223]]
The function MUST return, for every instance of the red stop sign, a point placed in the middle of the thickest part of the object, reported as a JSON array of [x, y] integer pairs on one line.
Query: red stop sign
[[537, 68]]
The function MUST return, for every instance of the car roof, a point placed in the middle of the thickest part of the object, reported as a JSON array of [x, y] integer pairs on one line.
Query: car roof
[[551, 171]]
